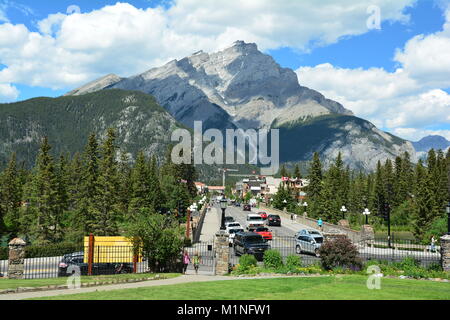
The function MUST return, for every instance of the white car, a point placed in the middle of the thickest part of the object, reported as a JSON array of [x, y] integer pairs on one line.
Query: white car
[[254, 221], [232, 232], [232, 224]]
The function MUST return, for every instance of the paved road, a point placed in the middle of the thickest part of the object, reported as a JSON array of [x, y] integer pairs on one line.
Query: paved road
[[283, 236]]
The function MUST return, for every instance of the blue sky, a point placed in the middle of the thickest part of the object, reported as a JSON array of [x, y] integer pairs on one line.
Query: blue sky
[[382, 59]]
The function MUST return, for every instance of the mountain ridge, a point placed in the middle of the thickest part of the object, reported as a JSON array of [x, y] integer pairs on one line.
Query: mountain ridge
[[431, 142], [241, 87]]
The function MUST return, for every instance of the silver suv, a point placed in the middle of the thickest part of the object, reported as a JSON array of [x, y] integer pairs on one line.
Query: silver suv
[[308, 241]]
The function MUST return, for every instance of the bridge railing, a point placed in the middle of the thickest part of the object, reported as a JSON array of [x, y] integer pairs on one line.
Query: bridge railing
[[353, 235]]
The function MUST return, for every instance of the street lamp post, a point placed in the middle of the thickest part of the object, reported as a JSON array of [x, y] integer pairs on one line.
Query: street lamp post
[[448, 218], [223, 206], [343, 210], [387, 212], [366, 213]]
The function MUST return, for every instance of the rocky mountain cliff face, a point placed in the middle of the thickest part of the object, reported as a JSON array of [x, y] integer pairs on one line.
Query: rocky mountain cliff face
[[240, 87], [361, 144]]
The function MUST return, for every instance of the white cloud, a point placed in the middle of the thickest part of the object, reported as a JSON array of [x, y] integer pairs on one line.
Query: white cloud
[[426, 57], [69, 50], [8, 92], [389, 100], [404, 101], [414, 134]]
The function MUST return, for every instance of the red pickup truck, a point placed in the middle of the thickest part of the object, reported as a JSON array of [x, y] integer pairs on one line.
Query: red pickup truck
[[264, 232]]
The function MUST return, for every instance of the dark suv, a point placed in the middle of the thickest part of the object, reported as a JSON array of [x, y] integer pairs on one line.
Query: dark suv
[[76, 259], [273, 220], [247, 207], [250, 243]]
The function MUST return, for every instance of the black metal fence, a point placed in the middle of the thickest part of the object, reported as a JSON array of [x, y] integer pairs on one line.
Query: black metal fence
[[107, 260], [3, 267], [397, 250], [368, 250], [206, 254], [104, 260]]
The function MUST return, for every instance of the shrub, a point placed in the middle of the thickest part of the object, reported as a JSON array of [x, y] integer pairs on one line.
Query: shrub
[[340, 252], [293, 262], [160, 237], [51, 250], [246, 263], [4, 252], [273, 259], [435, 267], [406, 263]]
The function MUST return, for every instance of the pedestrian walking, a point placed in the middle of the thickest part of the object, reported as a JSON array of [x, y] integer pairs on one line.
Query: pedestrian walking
[[186, 260], [320, 224], [433, 244], [292, 216], [196, 260], [295, 217]]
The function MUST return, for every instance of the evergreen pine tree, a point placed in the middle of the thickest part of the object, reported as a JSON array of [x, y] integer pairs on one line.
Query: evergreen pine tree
[[423, 203], [315, 184], [379, 190], [140, 185], [125, 182], [45, 191], [297, 172], [106, 206], [10, 197], [156, 196], [283, 171], [89, 188], [62, 193]]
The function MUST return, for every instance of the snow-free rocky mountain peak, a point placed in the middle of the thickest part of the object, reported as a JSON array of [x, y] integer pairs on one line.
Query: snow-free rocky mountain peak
[[245, 88]]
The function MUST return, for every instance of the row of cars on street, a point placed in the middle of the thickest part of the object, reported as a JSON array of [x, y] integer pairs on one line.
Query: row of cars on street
[[254, 241]]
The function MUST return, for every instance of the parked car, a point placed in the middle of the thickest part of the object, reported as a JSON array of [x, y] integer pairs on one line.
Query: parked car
[[273, 220], [254, 220], [237, 204], [250, 243], [76, 259], [310, 232], [233, 224], [232, 232], [247, 207], [306, 243], [265, 232], [263, 214]]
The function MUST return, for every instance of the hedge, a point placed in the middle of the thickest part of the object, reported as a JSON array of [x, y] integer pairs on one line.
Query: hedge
[[4, 251], [51, 250]]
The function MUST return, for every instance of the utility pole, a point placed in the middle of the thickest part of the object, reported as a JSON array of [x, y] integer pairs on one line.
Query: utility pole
[[224, 171]]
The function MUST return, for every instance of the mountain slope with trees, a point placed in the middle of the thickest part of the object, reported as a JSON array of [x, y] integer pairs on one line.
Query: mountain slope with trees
[[67, 122]]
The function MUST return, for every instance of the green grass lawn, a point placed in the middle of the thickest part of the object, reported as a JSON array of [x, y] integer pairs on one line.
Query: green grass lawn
[[15, 283], [351, 287]]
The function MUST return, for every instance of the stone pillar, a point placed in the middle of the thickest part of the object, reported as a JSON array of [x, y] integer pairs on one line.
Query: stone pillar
[[367, 232], [16, 258], [445, 252], [333, 234], [344, 223], [222, 251]]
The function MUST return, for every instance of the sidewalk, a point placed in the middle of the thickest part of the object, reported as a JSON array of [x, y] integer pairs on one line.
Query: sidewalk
[[211, 225]]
